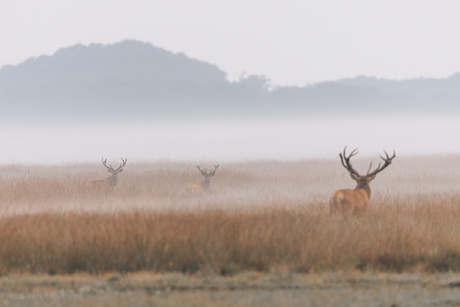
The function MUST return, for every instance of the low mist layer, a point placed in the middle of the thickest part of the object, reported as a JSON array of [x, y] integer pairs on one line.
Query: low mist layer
[[288, 139]]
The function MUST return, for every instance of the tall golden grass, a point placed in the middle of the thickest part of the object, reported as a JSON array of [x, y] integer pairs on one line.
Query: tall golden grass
[[260, 215]]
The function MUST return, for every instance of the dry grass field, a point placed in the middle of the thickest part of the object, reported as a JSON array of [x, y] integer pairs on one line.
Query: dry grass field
[[263, 217]]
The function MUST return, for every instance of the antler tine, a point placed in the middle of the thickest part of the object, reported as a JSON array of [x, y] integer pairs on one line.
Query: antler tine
[[346, 160], [123, 164], [388, 157], [387, 162], [341, 157], [378, 166], [104, 162], [370, 166], [214, 170], [353, 153], [200, 169]]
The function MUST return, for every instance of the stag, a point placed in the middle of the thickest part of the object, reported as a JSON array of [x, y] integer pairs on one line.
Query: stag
[[112, 181], [201, 187], [348, 201]]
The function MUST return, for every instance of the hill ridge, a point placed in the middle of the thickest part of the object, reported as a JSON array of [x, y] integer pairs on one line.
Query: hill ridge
[[133, 79]]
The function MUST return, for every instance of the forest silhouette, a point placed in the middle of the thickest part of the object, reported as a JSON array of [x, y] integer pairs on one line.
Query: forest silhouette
[[136, 80]]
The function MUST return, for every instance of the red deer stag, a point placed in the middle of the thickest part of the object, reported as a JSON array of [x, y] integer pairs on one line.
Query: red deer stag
[[355, 201], [201, 187], [110, 182]]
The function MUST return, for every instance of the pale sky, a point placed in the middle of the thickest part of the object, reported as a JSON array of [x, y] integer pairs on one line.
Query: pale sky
[[291, 42]]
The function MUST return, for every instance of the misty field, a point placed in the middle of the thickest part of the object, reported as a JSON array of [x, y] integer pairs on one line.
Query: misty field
[[258, 216]]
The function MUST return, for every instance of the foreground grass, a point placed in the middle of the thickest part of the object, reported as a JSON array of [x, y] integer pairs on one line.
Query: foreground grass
[[387, 238]]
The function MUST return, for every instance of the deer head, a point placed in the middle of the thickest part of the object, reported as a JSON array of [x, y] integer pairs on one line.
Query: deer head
[[208, 175], [364, 180], [114, 171], [113, 180]]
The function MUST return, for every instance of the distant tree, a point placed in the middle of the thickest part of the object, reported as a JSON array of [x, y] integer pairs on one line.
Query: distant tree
[[259, 83]]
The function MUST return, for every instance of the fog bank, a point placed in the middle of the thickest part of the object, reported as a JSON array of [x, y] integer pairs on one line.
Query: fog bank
[[229, 140]]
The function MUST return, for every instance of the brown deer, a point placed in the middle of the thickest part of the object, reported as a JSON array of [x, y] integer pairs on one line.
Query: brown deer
[[355, 201], [110, 182], [201, 187]]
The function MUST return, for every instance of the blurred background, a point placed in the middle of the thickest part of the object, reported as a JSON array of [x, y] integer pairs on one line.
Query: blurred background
[[227, 80]]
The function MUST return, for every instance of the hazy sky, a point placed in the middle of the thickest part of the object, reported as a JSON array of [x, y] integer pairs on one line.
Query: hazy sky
[[291, 42]]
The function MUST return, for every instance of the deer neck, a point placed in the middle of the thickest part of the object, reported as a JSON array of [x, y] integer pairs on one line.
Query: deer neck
[[205, 184], [113, 180], [365, 187]]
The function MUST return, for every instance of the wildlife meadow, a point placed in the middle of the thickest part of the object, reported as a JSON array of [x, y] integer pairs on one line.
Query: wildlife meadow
[[259, 215], [135, 176], [263, 226]]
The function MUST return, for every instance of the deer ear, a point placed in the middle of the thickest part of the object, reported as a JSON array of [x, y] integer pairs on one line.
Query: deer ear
[[370, 178], [120, 170], [109, 170]]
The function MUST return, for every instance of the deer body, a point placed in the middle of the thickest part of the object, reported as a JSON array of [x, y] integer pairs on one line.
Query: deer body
[[350, 201], [355, 201], [110, 182], [198, 187], [201, 187]]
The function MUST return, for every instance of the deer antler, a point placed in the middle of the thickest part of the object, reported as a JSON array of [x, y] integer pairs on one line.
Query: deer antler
[[123, 164], [346, 160], [387, 162], [201, 170], [110, 166], [214, 170], [104, 162]]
